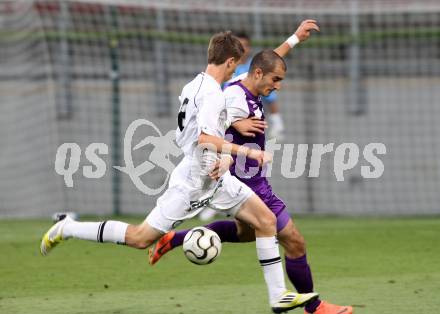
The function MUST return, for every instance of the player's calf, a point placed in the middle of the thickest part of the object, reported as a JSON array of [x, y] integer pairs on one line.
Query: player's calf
[[141, 236], [245, 232], [292, 241]]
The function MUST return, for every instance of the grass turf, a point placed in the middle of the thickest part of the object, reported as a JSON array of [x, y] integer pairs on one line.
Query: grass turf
[[378, 265]]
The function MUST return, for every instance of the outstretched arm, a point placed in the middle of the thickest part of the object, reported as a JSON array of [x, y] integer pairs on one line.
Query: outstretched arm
[[301, 34], [223, 146]]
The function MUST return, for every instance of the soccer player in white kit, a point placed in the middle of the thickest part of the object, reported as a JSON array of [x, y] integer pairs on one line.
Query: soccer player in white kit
[[201, 179]]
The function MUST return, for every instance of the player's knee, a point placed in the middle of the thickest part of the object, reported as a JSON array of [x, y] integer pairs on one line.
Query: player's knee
[[267, 221]]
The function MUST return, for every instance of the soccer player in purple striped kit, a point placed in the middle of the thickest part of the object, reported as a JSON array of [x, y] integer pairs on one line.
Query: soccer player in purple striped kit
[[245, 109]]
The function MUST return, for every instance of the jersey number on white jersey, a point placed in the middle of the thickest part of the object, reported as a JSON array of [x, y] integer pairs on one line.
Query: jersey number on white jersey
[[182, 114]]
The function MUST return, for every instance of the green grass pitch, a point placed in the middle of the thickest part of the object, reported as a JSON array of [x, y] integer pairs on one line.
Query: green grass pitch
[[389, 265]]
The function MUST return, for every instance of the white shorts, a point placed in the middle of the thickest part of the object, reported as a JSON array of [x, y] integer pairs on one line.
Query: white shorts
[[175, 205]]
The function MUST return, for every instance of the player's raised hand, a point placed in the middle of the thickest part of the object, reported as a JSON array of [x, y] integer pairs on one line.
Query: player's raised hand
[[302, 33], [250, 126], [304, 29]]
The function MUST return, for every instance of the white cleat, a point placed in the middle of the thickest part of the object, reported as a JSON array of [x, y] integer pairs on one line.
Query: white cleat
[[290, 300], [53, 236]]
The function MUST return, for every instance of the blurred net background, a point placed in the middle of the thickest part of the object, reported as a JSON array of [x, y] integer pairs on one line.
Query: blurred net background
[[82, 71]]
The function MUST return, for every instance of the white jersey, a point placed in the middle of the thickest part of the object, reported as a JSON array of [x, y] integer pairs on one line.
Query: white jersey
[[202, 109]]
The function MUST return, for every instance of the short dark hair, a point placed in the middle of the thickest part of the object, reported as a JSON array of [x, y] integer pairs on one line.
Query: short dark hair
[[266, 60], [223, 46]]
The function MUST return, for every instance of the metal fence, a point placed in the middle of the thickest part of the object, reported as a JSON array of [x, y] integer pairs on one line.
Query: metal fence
[[82, 71]]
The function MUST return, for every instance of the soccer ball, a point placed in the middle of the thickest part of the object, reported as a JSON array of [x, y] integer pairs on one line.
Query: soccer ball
[[201, 246]]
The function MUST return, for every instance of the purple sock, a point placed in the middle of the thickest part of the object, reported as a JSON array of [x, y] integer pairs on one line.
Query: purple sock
[[226, 230], [178, 238], [300, 275]]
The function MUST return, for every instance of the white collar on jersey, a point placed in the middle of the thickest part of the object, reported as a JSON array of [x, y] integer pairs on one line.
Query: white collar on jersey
[[237, 78], [211, 78]]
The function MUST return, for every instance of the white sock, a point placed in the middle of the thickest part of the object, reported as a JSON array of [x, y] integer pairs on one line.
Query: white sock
[[269, 256], [105, 231]]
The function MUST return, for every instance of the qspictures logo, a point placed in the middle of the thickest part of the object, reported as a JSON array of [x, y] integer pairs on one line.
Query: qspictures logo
[[346, 157]]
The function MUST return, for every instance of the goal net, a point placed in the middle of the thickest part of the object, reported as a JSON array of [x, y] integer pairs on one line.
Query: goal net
[[81, 72]]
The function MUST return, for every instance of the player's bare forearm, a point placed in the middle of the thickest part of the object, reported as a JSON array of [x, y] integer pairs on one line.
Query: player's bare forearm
[[301, 34], [222, 146], [282, 49]]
